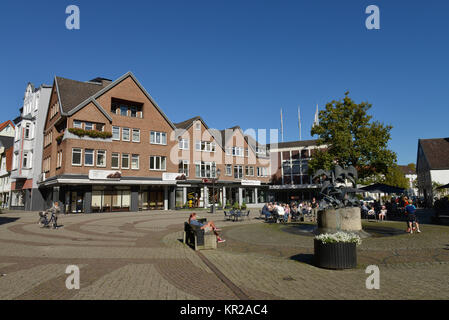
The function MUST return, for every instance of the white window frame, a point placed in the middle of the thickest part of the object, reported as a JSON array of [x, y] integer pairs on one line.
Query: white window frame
[[27, 128], [86, 124], [239, 169], [158, 160], [118, 158], [75, 124], [207, 164], [81, 157], [133, 131], [158, 135], [228, 173], [183, 144], [184, 163], [138, 161], [125, 155], [93, 158], [99, 152], [119, 133], [123, 134]]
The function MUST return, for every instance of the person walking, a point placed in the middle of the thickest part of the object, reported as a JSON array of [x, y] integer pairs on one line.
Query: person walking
[[55, 210], [410, 210]]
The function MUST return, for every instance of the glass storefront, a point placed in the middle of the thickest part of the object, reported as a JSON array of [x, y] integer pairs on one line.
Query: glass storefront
[[111, 199], [151, 198]]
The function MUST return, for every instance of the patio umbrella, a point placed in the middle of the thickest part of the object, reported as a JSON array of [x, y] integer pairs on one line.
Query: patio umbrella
[[446, 186], [382, 188]]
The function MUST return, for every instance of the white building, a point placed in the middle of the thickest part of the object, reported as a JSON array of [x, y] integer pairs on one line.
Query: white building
[[432, 166], [6, 147], [411, 176], [28, 144]]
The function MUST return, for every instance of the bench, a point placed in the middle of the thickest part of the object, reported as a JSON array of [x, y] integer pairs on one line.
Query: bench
[[195, 237]]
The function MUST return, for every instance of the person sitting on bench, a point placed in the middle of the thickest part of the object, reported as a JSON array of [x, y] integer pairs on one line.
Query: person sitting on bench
[[209, 226]]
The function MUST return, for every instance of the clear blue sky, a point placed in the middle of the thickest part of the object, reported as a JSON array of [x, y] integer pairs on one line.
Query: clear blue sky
[[239, 62]]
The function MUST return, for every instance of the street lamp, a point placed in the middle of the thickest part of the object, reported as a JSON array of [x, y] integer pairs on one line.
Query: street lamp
[[213, 190]]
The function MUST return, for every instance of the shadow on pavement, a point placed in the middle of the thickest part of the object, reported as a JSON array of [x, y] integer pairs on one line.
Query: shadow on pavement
[[4, 220], [304, 258]]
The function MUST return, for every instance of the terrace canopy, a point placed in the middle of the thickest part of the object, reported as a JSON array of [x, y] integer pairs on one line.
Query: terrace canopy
[[382, 188], [446, 186]]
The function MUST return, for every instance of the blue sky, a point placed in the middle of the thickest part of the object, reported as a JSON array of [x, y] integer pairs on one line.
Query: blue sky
[[239, 62]]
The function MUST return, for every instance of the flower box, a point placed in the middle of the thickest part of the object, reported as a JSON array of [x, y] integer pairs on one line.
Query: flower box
[[336, 251]]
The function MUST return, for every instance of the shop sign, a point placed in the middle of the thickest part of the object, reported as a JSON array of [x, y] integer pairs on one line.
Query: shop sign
[[168, 176], [104, 175], [250, 183]]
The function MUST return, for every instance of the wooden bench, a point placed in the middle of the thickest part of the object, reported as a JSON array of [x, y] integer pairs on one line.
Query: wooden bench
[[195, 237]]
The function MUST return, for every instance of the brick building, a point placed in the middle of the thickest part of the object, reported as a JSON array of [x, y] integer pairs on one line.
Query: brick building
[[109, 147]]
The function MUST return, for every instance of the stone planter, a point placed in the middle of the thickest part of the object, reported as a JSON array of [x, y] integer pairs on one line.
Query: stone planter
[[337, 255]]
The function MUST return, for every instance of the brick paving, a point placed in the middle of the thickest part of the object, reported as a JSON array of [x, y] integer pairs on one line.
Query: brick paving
[[141, 256]]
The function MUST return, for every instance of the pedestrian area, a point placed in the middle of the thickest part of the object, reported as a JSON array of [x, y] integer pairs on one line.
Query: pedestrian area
[[141, 256]]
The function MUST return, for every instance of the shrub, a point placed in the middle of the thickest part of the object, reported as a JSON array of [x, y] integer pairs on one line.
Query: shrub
[[91, 133], [228, 204]]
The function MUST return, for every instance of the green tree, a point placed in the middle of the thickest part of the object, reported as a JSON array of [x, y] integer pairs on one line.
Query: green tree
[[396, 178], [352, 138], [412, 167]]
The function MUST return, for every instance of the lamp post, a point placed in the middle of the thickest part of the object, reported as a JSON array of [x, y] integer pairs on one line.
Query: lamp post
[[213, 190]]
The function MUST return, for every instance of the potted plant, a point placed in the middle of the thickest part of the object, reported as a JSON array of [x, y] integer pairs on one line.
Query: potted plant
[[336, 250], [243, 206], [235, 206], [228, 204]]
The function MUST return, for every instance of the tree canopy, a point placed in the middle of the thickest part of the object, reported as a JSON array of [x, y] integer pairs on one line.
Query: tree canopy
[[352, 138]]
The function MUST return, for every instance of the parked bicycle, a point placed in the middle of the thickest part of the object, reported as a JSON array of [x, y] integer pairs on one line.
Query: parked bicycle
[[45, 222]]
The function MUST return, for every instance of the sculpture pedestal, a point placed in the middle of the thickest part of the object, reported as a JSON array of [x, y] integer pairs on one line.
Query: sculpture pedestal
[[343, 219]]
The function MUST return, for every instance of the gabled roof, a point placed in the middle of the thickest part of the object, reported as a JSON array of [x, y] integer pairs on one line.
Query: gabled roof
[[188, 123], [406, 170], [72, 93], [436, 151], [86, 92], [5, 124]]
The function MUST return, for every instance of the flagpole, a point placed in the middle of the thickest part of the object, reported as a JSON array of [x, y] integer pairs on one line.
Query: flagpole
[[282, 127], [299, 122]]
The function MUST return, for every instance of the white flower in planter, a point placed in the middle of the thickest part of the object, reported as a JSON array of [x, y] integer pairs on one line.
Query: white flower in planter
[[339, 237]]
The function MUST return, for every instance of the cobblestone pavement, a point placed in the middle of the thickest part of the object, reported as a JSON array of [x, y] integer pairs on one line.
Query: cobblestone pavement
[[141, 256]]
